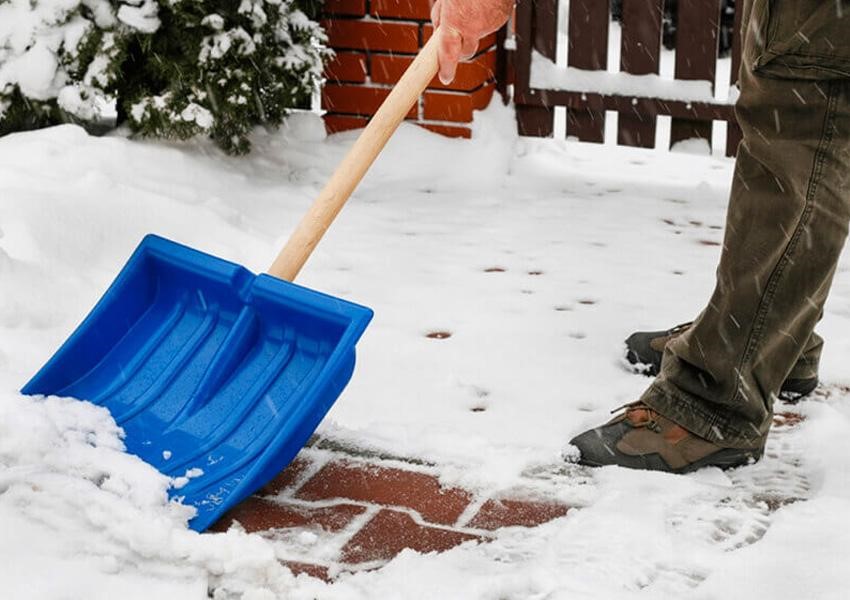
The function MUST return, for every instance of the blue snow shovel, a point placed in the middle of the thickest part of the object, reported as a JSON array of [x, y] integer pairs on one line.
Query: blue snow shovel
[[213, 371]]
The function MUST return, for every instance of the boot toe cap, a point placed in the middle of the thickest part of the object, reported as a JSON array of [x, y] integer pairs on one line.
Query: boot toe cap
[[598, 446], [640, 354]]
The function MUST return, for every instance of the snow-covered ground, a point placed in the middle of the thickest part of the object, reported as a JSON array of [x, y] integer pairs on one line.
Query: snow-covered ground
[[538, 256]]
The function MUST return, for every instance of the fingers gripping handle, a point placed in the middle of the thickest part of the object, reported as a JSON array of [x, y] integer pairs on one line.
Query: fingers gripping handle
[[355, 164]]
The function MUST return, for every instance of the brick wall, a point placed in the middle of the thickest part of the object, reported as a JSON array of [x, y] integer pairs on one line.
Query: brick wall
[[375, 41]]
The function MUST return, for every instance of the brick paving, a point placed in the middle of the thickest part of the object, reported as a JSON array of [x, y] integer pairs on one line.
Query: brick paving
[[366, 510], [357, 510]]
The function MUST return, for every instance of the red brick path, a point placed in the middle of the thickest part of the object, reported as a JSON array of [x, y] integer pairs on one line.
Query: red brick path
[[366, 511]]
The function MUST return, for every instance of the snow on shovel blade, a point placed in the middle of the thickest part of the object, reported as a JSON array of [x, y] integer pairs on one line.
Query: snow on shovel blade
[[209, 368]]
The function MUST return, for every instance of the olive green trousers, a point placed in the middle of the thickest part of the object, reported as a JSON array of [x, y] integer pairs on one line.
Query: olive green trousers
[[786, 225]]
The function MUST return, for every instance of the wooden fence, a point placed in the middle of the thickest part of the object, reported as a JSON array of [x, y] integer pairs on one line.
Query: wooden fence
[[587, 90]]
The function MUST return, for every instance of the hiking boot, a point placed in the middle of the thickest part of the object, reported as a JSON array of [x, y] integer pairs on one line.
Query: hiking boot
[[644, 350], [641, 438]]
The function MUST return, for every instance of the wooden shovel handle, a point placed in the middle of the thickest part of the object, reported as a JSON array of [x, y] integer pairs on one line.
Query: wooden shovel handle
[[355, 164]]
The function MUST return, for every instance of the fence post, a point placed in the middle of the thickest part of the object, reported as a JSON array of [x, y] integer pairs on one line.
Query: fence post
[[588, 49], [537, 28], [639, 55], [504, 62], [697, 41]]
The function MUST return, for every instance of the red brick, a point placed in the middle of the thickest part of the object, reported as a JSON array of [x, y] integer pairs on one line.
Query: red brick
[[381, 485], [373, 35], [481, 97], [388, 68], [317, 571], [402, 9], [337, 123], [448, 130], [471, 74], [344, 7], [516, 513], [356, 99], [389, 532], [347, 67], [286, 479], [485, 43], [259, 514], [448, 106], [456, 106]]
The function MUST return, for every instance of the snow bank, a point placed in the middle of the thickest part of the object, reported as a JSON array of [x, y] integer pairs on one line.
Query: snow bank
[[98, 519]]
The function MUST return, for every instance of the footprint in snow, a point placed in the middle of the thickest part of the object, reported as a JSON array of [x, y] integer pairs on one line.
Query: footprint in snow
[[729, 516], [742, 515]]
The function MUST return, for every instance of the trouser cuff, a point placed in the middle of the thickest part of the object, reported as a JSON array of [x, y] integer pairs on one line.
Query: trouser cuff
[[695, 415]]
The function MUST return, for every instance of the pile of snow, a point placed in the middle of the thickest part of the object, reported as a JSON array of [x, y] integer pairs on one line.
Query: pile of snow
[[539, 256], [74, 505]]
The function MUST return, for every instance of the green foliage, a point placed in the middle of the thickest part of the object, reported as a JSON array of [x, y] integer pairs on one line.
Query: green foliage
[[19, 113], [177, 68]]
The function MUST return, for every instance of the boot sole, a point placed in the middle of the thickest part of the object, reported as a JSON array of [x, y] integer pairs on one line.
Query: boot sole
[[727, 458]]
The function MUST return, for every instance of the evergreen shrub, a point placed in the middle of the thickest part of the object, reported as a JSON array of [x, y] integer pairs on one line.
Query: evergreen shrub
[[171, 68]]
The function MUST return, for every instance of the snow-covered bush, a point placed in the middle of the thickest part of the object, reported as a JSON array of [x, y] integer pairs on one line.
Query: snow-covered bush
[[221, 67], [177, 68], [60, 59]]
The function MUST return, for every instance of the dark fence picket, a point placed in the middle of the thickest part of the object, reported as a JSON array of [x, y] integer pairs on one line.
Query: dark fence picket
[[503, 72], [546, 27], [640, 50], [697, 34], [588, 49], [539, 18]]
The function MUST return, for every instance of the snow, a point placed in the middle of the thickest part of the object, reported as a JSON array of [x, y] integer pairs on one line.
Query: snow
[[73, 504], [214, 47], [71, 100], [692, 146], [144, 17], [594, 242], [195, 113], [545, 74], [34, 71]]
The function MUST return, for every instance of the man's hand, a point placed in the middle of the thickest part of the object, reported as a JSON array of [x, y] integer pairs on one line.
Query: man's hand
[[463, 23]]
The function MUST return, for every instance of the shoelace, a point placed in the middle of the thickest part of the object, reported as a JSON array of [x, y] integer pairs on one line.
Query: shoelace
[[681, 328], [649, 419]]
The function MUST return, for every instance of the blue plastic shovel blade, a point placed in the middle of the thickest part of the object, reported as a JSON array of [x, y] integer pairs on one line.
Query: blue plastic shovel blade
[[209, 368]]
